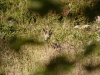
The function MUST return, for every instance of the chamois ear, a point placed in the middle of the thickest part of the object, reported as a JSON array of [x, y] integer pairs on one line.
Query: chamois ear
[[44, 29], [50, 31]]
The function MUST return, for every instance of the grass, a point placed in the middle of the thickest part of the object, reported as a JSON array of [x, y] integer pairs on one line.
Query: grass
[[33, 58]]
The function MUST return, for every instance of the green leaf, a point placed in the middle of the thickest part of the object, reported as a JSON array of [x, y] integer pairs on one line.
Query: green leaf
[[92, 68], [57, 64], [44, 6], [39, 73], [16, 43], [90, 48]]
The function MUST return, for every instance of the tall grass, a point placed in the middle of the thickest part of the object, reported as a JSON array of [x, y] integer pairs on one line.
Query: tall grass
[[15, 20]]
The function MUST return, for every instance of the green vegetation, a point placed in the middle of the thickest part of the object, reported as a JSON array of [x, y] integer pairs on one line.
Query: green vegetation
[[41, 39]]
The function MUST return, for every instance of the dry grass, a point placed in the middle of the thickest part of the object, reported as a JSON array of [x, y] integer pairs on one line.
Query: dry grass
[[65, 40], [34, 58]]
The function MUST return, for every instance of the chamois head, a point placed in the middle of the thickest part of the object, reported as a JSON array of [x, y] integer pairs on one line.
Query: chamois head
[[47, 33]]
